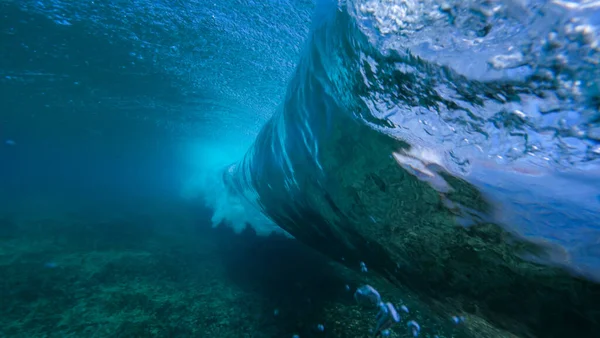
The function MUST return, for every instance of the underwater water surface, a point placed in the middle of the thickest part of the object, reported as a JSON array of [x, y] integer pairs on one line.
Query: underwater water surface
[[299, 168]]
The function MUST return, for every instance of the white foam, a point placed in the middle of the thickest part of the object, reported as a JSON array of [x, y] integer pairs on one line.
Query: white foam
[[208, 163]]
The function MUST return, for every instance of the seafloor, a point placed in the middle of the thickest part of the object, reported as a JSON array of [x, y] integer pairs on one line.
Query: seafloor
[[165, 272]]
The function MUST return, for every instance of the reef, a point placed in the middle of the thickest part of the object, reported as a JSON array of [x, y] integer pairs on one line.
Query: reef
[[169, 274]]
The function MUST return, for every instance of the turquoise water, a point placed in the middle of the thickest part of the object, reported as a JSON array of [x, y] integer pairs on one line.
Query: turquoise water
[[449, 148]]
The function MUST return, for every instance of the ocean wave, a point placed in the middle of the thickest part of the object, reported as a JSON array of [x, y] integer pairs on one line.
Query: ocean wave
[[449, 145]]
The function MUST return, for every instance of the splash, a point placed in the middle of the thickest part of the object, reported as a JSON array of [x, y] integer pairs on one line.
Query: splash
[[208, 163]]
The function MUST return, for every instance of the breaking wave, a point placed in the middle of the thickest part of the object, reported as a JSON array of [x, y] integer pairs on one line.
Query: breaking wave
[[407, 121]]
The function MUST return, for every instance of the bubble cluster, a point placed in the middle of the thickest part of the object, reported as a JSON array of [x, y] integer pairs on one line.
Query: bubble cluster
[[504, 80]]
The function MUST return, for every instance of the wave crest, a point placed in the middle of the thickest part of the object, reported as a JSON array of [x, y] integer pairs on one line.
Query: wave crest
[[502, 80]]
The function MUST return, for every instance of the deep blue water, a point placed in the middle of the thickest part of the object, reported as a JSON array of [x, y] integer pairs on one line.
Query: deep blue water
[[446, 146], [108, 101]]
